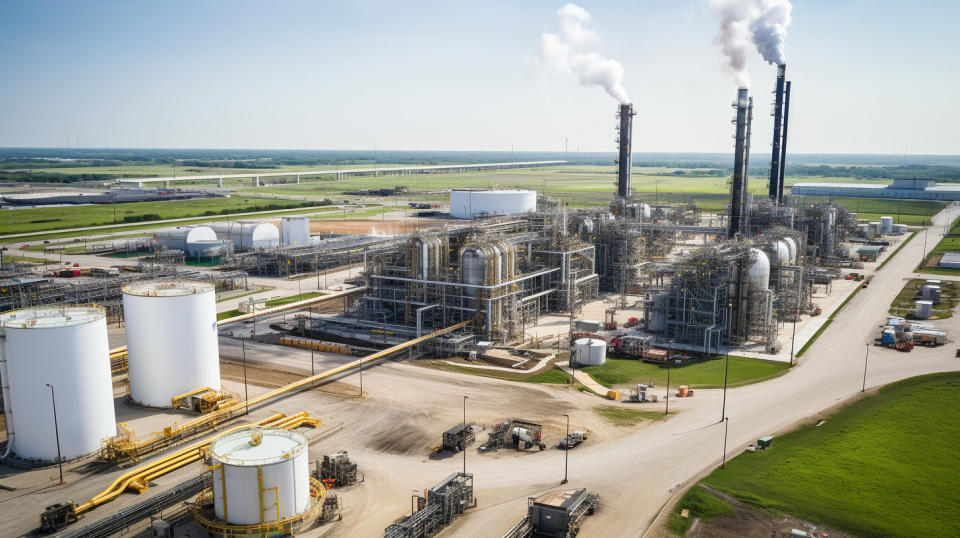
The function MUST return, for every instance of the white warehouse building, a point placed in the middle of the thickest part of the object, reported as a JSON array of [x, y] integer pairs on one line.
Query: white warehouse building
[[468, 204], [904, 189]]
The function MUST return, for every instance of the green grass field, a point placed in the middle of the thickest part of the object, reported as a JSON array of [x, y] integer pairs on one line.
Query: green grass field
[[293, 298], [56, 218], [709, 374], [701, 504], [904, 302], [949, 243], [886, 465]]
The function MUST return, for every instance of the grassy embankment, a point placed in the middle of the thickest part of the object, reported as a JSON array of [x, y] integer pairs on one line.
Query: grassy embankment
[[280, 301], [903, 304], [949, 243], [548, 375], [885, 465], [709, 374], [625, 416]]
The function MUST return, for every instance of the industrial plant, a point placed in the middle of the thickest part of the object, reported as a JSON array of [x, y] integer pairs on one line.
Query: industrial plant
[[219, 364]]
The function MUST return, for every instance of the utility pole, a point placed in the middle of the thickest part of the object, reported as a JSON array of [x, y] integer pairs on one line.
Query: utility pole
[[56, 430], [667, 412], [865, 359], [464, 431], [726, 426], [566, 453], [246, 394], [796, 314], [726, 369]]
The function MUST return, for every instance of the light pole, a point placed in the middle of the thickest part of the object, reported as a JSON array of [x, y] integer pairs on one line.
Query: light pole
[[726, 367], [796, 314], [361, 380], [865, 358], [56, 429], [667, 411], [566, 453], [246, 395], [726, 426], [464, 432]]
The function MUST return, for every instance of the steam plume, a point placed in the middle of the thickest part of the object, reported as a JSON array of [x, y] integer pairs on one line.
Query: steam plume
[[769, 29], [561, 53], [734, 36]]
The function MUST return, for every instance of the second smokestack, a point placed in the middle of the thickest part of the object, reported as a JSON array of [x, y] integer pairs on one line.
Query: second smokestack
[[625, 154], [776, 181]]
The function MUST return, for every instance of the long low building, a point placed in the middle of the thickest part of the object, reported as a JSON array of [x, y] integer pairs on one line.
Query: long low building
[[904, 189]]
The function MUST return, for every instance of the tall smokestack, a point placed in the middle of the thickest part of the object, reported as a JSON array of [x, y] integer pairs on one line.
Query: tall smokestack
[[783, 138], [776, 188], [739, 189], [624, 157]]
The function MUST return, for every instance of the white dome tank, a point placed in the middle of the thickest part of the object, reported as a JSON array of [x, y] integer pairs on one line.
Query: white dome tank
[[172, 343], [65, 347], [792, 246], [758, 275], [247, 235], [260, 466], [780, 253]]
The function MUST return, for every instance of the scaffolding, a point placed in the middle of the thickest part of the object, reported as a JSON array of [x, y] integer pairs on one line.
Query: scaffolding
[[436, 509]]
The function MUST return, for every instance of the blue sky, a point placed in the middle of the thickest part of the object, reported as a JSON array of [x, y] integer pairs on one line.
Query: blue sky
[[868, 76]]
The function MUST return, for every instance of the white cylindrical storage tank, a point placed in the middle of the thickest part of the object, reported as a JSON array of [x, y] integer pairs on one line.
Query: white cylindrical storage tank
[[65, 347], [899, 229], [935, 294], [873, 228], [645, 212], [472, 269], [178, 238], [886, 224], [758, 274], [172, 343], [256, 469], [580, 353], [597, 352], [924, 309], [792, 246], [295, 231], [246, 235], [466, 204]]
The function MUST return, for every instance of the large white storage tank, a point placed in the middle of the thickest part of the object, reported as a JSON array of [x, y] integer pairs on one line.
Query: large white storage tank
[[886, 225], [247, 235], [178, 238], [467, 204], [265, 474], [295, 231], [67, 348], [172, 343], [758, 274], [589, 352], [924, 309]]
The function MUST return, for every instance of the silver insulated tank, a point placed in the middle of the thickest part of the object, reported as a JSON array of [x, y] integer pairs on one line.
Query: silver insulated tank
[[472, 268]]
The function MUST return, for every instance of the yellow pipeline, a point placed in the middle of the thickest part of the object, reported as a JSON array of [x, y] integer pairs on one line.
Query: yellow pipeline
[[224, 412], [175, 401], [138, 478]]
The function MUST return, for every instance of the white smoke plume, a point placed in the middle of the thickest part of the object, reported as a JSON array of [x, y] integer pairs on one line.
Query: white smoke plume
[[769, 29], [734, 36], [561, 52]]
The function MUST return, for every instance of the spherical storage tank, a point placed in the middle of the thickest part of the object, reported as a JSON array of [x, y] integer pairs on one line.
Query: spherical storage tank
[[589, 352], [265, 474], [171, 339], [65, 347], [467, 204]]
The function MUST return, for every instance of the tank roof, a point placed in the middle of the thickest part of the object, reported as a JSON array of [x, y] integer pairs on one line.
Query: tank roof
[[174, 288], [274, 445], [51, 317]]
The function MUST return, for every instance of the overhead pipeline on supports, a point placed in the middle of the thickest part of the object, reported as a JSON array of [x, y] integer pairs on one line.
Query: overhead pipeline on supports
[[125, 448], [59, 515]]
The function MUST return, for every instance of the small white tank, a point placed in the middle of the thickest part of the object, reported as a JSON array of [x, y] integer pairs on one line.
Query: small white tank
[[886, 225], [65, 347], [645, 212], [172, 345], [260, 476], [295, 231], [873, 229], [589, 352], [924, 309]]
